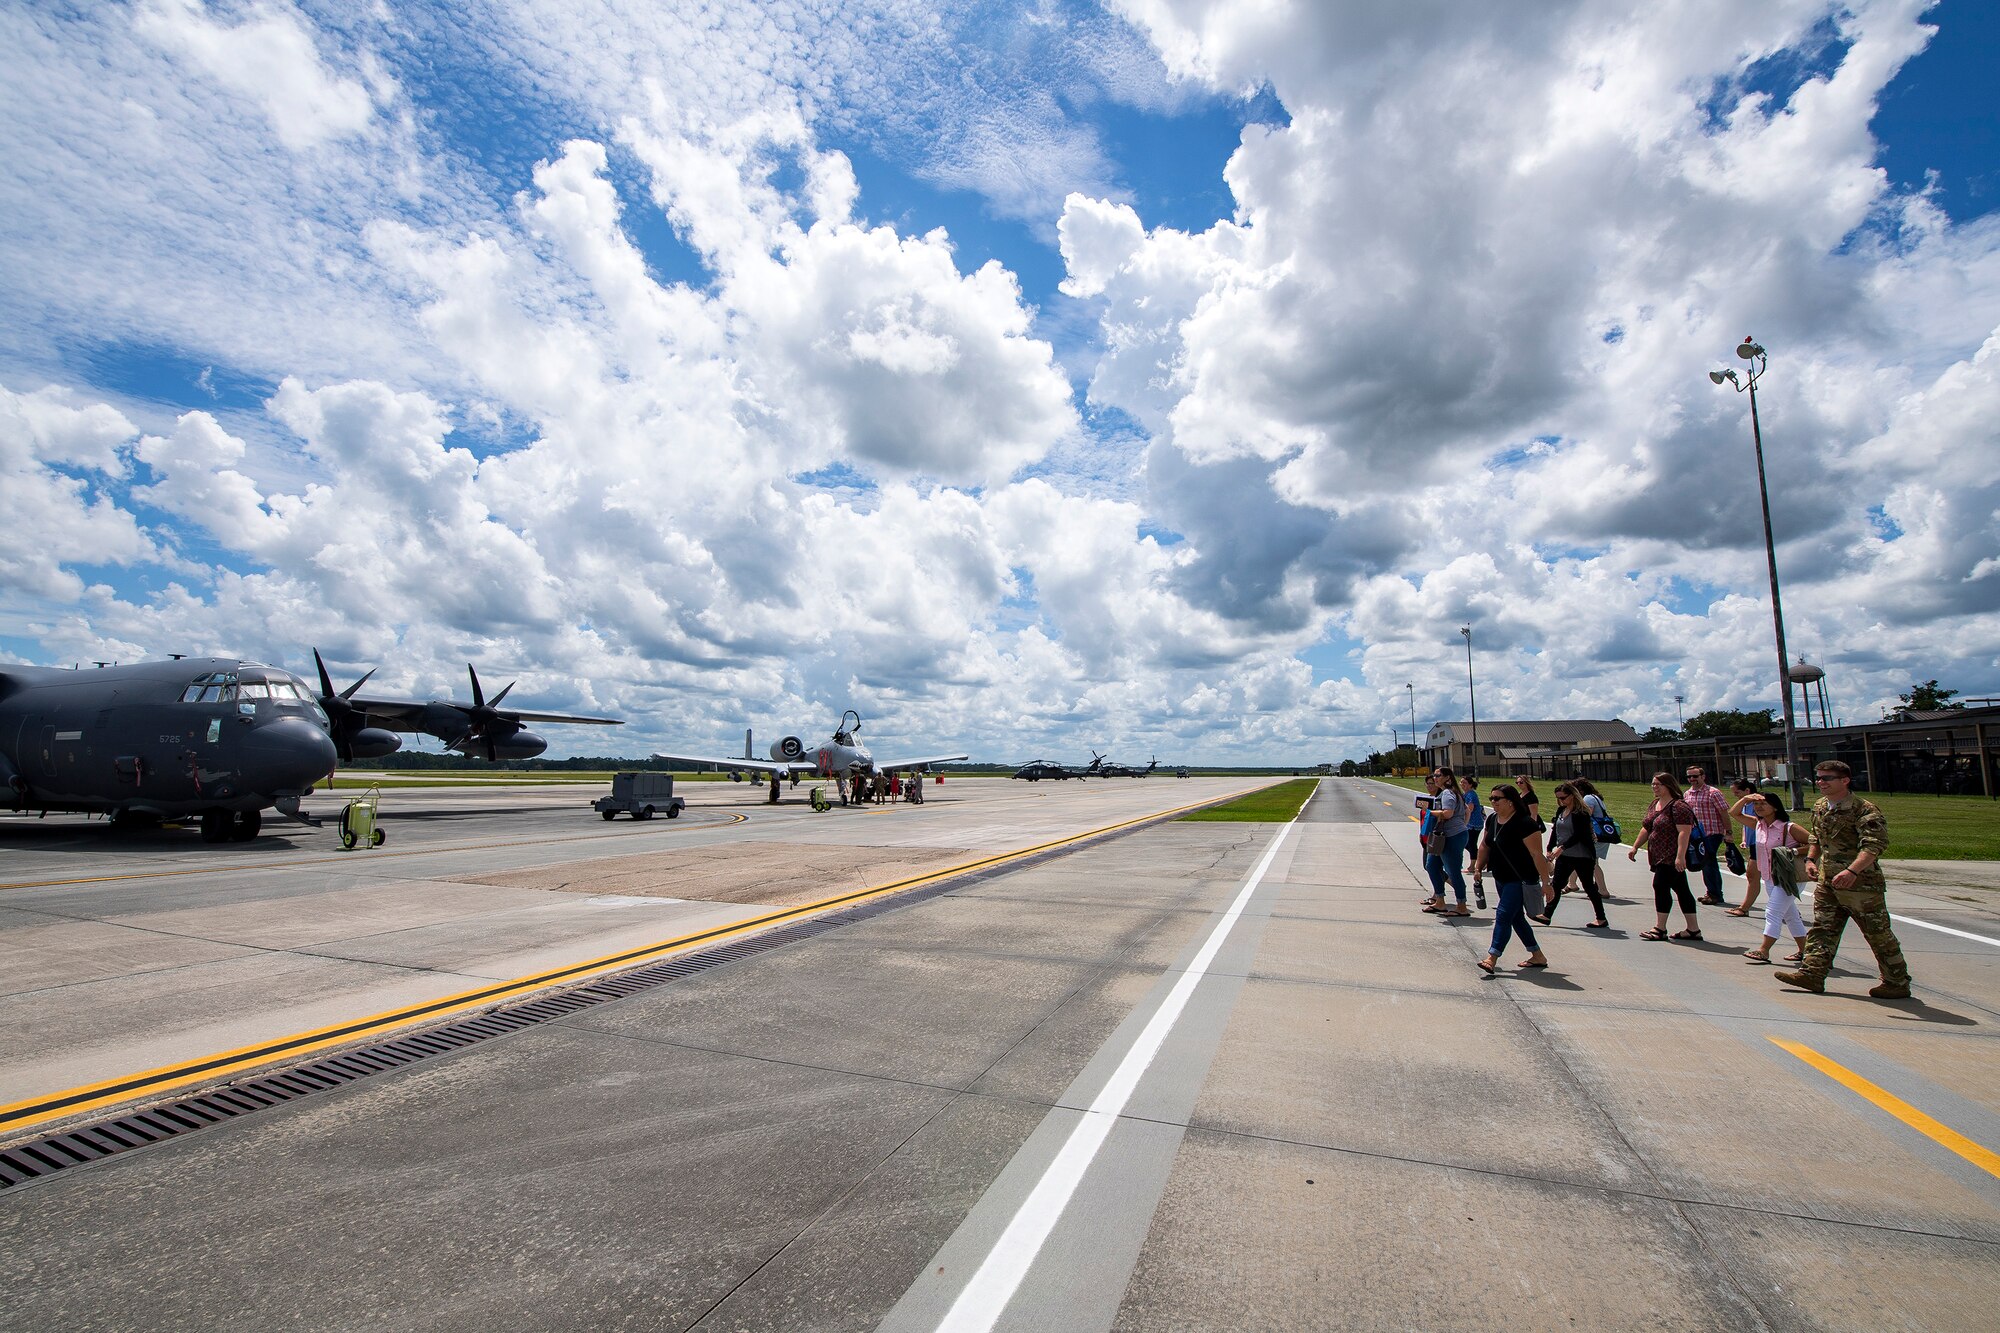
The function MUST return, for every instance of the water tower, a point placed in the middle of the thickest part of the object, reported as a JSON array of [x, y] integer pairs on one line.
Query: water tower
[[1810, 681]]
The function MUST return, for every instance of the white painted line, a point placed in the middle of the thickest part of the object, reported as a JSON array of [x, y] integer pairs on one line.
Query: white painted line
[[1945, 930], [1962, 934], [985, 1297]]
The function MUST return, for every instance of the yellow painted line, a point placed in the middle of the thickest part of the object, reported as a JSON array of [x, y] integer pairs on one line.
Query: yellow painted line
[[22, 1115], [369, 854], [1978, 1154]]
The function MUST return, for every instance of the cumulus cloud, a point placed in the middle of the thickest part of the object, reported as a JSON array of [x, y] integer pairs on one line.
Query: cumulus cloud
[[56, 457], [640, 394]]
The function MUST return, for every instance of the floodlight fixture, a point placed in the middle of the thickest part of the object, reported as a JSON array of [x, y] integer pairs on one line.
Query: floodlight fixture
[[1752, 351]]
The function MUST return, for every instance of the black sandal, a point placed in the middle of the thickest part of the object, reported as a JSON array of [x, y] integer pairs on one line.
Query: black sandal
[[1686, 935], [1654, 934]]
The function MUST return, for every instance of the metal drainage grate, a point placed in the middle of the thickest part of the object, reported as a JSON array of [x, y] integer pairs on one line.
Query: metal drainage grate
[[44, 1156]]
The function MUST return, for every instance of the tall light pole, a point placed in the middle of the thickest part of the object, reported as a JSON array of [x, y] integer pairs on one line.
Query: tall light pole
[[1678, 698], [1412, 688], [1752, 352], [1472, 697]]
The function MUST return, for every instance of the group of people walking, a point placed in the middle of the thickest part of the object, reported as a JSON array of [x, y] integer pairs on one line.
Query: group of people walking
[[1685, 829]]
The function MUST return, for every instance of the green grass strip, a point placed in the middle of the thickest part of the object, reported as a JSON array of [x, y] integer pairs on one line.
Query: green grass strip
[[1272, 805]]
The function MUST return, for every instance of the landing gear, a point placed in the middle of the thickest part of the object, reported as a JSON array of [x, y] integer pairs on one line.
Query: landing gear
[[774, 789], [230, 825]]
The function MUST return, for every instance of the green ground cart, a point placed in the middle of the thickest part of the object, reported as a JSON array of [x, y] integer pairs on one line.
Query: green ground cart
[[357, 821]]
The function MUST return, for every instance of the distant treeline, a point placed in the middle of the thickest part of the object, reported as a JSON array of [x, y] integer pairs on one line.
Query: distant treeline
[[417, 760]]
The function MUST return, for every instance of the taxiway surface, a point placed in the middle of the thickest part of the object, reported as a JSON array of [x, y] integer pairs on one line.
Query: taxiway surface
[[1199, 1076]]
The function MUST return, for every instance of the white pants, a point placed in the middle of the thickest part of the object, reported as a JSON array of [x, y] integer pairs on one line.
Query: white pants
[[1781, 909]]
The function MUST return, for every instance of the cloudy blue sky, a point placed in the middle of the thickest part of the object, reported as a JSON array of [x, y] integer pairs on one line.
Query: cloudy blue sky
[[1169, 376]]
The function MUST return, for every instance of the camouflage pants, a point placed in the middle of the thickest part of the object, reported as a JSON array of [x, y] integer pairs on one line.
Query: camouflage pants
[[1869, 910]]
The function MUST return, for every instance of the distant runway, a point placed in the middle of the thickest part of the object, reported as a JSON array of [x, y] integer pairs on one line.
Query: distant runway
[[1200, 1076]]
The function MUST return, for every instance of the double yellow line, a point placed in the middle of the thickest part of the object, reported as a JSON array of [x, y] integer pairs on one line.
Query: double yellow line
[[24, 1115]]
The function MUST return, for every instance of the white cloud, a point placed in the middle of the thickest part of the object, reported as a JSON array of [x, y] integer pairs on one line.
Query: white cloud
[[50, 516], [1443, 364], [272, 59]]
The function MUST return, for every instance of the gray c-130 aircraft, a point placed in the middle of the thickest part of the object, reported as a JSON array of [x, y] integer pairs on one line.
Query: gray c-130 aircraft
[[213, 737]]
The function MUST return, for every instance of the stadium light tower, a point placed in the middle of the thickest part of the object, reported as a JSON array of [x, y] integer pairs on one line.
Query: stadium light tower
[[1412, 688], [1752, 352], [1472, 697]]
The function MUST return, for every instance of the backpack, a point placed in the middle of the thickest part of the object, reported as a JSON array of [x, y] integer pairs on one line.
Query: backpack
[[1602, 826]]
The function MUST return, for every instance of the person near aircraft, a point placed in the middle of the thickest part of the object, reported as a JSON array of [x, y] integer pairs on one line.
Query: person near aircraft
[[840, 756]]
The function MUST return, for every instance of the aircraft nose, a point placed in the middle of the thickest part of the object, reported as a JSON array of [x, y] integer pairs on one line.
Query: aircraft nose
[[287, 754]]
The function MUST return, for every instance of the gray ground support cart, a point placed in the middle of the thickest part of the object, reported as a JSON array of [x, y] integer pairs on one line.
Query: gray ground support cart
[[640, 795]]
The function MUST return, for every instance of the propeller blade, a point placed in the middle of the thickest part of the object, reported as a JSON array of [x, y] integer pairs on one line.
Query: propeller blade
[[325, 681], [478, 699], [348, 693], [503, 694]]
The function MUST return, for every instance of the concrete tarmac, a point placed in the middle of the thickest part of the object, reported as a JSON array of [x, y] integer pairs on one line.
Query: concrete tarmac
[[1142, 1086]]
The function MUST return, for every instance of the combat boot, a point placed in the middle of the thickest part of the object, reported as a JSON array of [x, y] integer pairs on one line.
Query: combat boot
[[1817, 985], [1888, 991]]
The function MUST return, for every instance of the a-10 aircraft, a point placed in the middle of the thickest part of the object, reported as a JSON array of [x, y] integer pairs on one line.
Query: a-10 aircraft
[[840, 755], [209, 736], [363, 728], [216, 738]]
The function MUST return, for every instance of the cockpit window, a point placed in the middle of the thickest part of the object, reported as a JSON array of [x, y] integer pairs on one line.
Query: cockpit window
[[254, 689]]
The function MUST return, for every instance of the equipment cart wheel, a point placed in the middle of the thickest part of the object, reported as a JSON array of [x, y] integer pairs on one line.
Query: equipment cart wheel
[[610, 815], [673, 811], [379, 838], [644, 812], [346, 838]]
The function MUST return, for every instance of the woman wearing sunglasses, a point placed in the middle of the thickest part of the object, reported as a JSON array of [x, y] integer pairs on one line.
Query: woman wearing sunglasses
[[1573, 843], [1513, 852]]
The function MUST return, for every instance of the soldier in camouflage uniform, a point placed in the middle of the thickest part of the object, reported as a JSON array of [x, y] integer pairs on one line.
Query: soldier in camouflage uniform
[[1849, 837]]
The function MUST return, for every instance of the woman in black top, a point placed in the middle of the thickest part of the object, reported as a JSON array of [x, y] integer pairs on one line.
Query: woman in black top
[[1573, 844], [1513, 852]]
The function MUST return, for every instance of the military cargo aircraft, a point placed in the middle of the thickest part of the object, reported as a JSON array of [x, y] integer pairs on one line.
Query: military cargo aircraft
[[212, 737], [363, 728], [840, 755]]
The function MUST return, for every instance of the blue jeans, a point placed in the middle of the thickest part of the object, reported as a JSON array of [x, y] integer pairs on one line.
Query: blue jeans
[[1512, 916], [1711, 873], [1442, 862]]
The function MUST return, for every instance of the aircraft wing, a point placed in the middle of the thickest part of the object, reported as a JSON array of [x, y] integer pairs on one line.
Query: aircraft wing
[[562, 717], [924, 762], [783, 768], [395, 714]]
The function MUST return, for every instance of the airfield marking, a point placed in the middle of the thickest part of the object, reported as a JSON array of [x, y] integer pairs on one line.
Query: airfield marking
[[1978, 1154], [986, 1294], [1948, 930], [735, 817], [23, 1115]]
